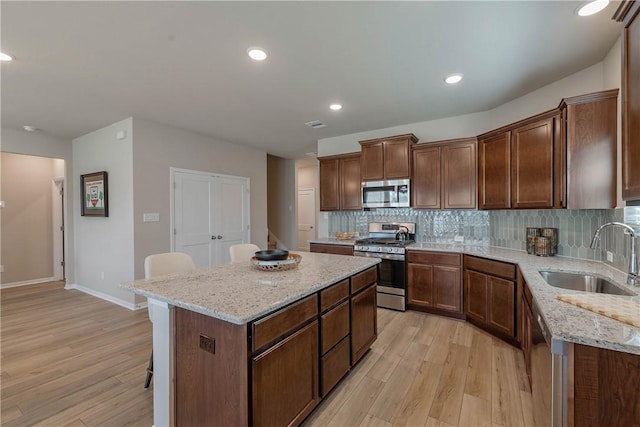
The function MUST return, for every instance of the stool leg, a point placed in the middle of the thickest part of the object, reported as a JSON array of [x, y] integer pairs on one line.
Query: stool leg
[[147, 381]]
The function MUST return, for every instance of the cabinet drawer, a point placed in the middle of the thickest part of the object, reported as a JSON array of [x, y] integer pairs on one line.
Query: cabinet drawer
[[335, 326], [283, 321], [494, 268], [333, 295], [331, 249], [439, 258], [364, 279], [335, 365]]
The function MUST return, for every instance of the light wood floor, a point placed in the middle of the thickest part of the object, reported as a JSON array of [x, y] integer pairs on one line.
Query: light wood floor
[[69, 359]]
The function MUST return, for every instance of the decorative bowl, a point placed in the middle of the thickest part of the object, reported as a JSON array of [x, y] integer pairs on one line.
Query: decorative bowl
[[290, 263], [272, 255]]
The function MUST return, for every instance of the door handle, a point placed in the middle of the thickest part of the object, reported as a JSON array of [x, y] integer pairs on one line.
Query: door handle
[[213, 237]]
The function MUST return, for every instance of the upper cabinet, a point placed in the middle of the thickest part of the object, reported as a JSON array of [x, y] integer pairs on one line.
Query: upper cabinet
[[444, 175], [340, 182], [387, 158], [628, 13], [563, 158], [587, 158]]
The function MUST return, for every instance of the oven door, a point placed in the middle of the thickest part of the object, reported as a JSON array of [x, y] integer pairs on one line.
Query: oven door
[[392, 280]]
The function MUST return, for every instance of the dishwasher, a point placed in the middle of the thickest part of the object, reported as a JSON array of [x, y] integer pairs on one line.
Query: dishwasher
[[548, 374]]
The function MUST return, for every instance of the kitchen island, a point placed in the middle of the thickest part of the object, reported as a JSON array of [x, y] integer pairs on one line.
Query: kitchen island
[[234, 345]]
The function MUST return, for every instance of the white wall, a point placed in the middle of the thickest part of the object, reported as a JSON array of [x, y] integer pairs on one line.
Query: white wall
[[588, 80], [281, 196], [104, 247], [158, 147], [41, 144]]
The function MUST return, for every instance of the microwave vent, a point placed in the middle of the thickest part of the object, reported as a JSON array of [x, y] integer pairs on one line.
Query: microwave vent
[[315, 124]]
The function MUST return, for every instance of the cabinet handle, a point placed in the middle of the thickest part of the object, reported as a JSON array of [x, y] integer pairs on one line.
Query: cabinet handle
[[213, 237], [219, 237]]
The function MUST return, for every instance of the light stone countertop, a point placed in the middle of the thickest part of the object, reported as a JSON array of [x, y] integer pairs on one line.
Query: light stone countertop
[[565, 321], [240, 293]]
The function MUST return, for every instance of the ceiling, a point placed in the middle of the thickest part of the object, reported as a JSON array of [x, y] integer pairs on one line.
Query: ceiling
[[80, 66]]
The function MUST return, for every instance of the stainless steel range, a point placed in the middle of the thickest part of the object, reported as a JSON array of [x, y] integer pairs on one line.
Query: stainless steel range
[[388, 241]]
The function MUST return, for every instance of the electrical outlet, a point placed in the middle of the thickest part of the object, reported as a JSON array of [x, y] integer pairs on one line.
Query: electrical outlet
[[459, 239], [609, 256], [208, 344], [1, 268]]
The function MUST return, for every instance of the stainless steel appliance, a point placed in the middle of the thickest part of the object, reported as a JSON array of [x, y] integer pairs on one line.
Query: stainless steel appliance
[[386, 194], [548, 374], [388, 241]]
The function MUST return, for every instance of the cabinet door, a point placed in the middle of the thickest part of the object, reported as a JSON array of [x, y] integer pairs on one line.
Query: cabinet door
[[420, 285], [426, 178], [494, 172], [459, 176], [501, 299], [329, 200], [372, 161], [532, 165], [285, 380], [475, 295], [396, 159], [350, 183], [364, 322], [447, 288], [631, 105]]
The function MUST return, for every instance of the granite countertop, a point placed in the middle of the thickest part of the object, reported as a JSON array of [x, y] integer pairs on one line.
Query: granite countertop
[[240, 293], [566, 322]]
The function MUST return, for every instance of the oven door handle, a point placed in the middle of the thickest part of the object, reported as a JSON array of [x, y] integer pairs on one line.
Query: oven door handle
[[393, 257]]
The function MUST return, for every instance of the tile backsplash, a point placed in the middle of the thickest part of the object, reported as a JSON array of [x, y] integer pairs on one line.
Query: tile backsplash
[[506, 228]]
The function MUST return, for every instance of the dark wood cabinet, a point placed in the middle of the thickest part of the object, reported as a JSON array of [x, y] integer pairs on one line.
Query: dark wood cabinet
[[490, 296], [364, 322], [526, 316], [285, 380], [434, 282], [331, 249], [629, 14], [387, 158], [494, 171], [444, 175], [340, 182], [588, 151], [334, 335], [532, 165]]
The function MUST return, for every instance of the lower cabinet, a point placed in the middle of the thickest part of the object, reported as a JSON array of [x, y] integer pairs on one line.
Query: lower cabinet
[[285, 379], [434, 282], [364, 322], [331, 249], [526, 317], [490, 296]]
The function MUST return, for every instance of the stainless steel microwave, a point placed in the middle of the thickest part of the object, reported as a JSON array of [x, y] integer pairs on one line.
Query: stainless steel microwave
[[386, 194]]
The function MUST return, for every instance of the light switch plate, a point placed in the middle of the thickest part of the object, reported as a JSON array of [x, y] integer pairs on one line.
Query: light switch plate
[[150, 217], [609, 256], [459, 239]]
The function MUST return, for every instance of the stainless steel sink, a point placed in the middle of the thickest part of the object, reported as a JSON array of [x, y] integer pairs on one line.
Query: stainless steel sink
[[583, 282]]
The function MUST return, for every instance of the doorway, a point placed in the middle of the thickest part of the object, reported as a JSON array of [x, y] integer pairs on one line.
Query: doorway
[[209, 213], [306, 217], [57, 210]]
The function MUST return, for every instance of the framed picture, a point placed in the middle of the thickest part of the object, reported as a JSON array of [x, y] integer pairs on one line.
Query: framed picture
[[94, 194]]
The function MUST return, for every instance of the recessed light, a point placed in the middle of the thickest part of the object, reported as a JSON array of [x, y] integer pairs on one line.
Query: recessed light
[[592, 7], [453, 78], [29, 128], [335, 107], [5, 57], [257, 53]]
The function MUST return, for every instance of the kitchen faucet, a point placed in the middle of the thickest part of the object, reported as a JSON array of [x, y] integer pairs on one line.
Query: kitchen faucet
[[632, 277]]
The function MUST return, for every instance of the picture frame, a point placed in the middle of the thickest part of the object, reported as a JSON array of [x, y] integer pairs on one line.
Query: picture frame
[[94, 194]]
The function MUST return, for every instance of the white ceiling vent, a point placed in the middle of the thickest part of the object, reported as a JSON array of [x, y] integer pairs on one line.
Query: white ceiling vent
[[315, 124]]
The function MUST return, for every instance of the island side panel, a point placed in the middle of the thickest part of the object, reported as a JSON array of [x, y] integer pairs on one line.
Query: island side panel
[[212, 383]]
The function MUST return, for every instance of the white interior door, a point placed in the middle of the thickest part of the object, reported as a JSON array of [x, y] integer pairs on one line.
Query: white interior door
[[210, 213], [306, 217], [193, 217], [231, 214]]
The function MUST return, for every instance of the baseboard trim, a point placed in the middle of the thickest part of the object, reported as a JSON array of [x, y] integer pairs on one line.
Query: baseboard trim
[[28, 282], [107, 297]]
